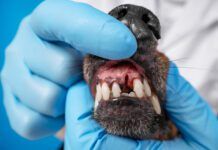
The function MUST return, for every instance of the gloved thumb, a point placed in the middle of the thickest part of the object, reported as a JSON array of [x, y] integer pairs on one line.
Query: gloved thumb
[[79, 123]]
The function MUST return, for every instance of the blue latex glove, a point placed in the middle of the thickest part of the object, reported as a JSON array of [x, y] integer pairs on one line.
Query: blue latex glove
[[45, 58], [190, 113]]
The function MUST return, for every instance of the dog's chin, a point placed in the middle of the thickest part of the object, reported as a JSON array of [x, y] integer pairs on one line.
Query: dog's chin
[[129, 117]]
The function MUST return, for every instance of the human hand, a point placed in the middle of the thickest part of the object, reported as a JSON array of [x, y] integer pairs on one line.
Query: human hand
[[189, 112], [45, 58]]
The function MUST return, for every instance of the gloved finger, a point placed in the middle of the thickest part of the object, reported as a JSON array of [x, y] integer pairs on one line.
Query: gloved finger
[[78, 114], [84, 132], [58, 63], [25, 121], [191, 114], [180, 144], [37, 93], [84, 28]]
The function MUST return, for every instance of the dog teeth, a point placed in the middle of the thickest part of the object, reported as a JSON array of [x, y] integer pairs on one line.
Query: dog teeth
[[116, 90], [115, 99], [156, 104], [132, 94], [138, 88], [98, 95], [147, 88], [124, 94], [105, 91], [96, 105]]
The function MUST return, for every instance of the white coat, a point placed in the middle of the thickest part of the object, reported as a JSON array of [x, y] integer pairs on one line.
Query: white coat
[[189, 38]]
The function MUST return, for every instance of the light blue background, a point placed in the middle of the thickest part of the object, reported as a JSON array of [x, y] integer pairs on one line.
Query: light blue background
[[11, 13]]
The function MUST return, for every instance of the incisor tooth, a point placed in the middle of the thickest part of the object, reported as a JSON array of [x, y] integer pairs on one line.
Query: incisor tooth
[[98, 95], [132, 94], [138, 88], [105, 91], [116, 90], [147, 88], [156, 104]]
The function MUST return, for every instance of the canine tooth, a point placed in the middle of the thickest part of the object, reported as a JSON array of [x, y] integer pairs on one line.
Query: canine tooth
[[132, 94], [116, 90], [96, 105], [98, 95], [156, 104], [147, 88], [138, 88], [105, 91]]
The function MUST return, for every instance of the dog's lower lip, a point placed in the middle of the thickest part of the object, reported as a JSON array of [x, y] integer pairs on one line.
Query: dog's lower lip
[[125, 97], [124, 108]]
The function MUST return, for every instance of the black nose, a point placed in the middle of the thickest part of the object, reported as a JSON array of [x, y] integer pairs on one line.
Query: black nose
[[140, 20]]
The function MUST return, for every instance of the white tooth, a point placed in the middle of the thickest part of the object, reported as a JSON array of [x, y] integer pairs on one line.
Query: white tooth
[[132, 94], [105, 91], [124, 94], [156, 104], [115, 99], [116, 90], [98, 95], [147, 88], [138, 88], [96, 105]]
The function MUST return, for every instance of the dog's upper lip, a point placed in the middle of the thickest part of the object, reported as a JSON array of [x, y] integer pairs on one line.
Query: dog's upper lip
[[110, 63], [99, 77]]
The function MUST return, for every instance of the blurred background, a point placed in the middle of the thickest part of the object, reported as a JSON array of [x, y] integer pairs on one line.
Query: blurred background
[[11, 13], [195, 54]]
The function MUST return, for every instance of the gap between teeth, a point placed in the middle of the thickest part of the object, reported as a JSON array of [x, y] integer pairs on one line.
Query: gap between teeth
[[139, 90]]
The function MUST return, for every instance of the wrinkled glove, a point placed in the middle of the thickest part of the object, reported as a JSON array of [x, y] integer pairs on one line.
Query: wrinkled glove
[[190, 113], [45, 58]]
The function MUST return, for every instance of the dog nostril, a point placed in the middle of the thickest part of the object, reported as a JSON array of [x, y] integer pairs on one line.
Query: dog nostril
[[145, 18], [149, 21], [122, 13]]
